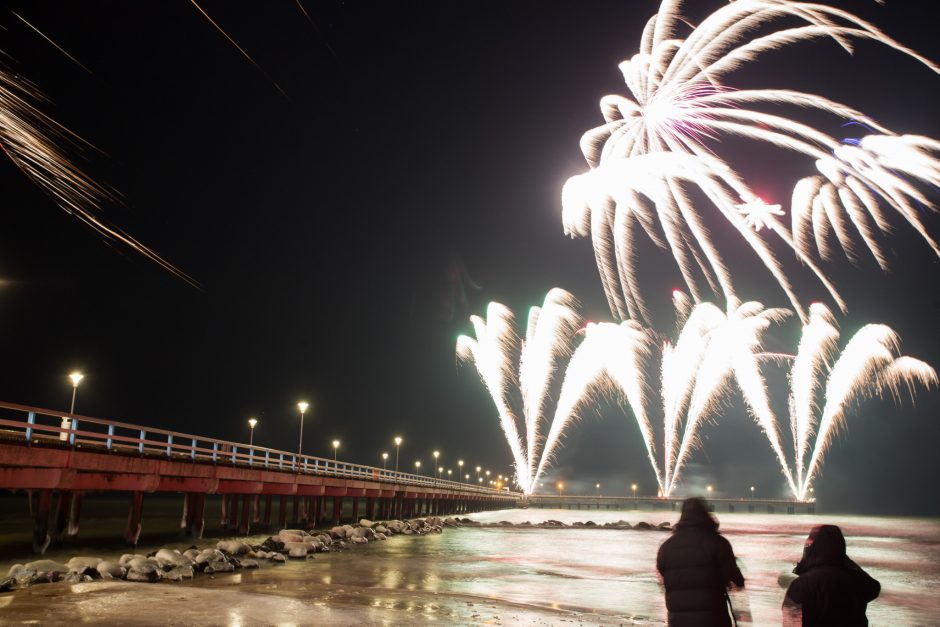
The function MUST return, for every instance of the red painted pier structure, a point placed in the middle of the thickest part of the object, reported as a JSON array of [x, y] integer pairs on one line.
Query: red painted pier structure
[[41, 456]]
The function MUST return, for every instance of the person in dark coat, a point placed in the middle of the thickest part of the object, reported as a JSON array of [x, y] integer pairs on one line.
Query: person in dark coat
[[831, 589], [697, 566]]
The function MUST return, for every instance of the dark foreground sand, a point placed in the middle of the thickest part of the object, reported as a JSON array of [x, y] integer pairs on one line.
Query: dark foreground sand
[[234, 603]]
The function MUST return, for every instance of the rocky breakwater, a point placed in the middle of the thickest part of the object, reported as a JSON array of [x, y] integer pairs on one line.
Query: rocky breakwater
[[557, 524], [171, 565]]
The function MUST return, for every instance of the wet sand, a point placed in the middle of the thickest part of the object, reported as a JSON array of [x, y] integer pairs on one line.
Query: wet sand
[[252, 600]]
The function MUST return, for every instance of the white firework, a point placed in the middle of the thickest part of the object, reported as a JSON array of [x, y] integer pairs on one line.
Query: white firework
[[653, 147]]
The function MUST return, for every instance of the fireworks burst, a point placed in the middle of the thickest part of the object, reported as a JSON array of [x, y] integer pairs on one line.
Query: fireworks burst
[[36, 143], [652, 149]]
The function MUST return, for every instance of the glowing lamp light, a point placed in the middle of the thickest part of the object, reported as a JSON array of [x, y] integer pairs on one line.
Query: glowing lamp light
[[76, 378]]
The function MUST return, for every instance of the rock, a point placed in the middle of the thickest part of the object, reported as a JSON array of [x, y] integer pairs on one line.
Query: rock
[[191, 553], [451, 522], [233, 547], [381, 529], [81, 563], [15, 569], [143, 565], [128, 557], [293, 532], [168, 558], [381, 536], [297, 550], [359, 540], [7, 584], [396, 526], [324, 539], [250, 564], [262, 555], [278, 557], [143, 577], [338, 533], [313, 545], [47, 566], [590, 523], [208, 555], [643, 525], [284, 538], [219, 566], [363, 532], [408, 532], [111, 569], [365, 522]]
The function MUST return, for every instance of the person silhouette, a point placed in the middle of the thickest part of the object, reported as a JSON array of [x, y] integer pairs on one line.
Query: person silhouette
[[697, 566], [830, 588]]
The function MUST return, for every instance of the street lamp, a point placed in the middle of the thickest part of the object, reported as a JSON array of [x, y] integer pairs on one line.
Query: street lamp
[[418, 467], [633, 487], [598, 486], [397, 448], [449, 473], [335, 446], [302, 406], [251, 431], [487, 473], [709, 489], [436, 454], [480, 480], [76, 378], [440, 472], [561, 486], [384, 461], [460, 466], [478, 471], [752, 491]]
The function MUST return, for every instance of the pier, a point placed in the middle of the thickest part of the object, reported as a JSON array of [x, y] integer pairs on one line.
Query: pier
[[56, 466], [673, 504]]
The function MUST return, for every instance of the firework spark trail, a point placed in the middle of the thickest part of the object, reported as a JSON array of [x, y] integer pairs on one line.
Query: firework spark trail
[[50, 41], [239, 48], [680, 104], [869, 364], [35, 143], [548, 335], [507, 365]]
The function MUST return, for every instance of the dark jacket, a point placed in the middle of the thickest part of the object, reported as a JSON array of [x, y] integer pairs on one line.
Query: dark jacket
[[831, 589], [697, 565]]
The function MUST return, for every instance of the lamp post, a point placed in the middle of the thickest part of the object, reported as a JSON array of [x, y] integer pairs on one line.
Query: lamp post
[[76, 378], [449, 473], [752, 491], [251, 431], [397, 448], [561, 487], [384, 461], [708, 488], [418, 467], [466, 477], [459, 467], [436, 455], [302, 406], [598, 486], [440, 472], [478, 471], [633, 487], [335, 447]]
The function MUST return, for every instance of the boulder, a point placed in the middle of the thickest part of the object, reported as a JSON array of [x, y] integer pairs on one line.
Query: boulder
[[111, 570], [395, 526], [219, 566], [285, 537], [338, 533], [168, 558], [81, 563], [47, 566], [233, 547], [359, 540], [208, 555], [278, 557], [451, 522], [381, 529], [143, 577], [324, 539], [192, 553], [250, 564], [643, 525], [365, 522], [293, 532], [362, 532], [15, 570], [297, 550], [381, 536]]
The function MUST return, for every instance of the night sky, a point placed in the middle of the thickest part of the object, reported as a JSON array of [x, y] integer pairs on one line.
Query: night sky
[[343, 234]]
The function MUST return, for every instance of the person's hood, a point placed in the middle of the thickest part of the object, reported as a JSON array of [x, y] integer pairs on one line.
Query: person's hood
[[824, 547], [695, 514]]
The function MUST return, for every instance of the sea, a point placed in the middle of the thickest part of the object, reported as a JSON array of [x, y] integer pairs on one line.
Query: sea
[[497, 575]]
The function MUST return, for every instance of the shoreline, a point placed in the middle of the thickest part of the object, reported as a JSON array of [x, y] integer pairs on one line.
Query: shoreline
[[259, 595]]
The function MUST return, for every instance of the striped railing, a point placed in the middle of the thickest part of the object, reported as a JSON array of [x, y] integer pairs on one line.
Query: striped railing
[[36, 425]]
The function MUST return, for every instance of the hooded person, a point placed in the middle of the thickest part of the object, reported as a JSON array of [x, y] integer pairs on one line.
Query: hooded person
[[830, 588], [697, 566]]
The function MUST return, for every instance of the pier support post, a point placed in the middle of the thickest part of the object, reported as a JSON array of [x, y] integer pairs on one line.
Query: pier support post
[[194, 514], [337, 509], [244, 525], [62, 508], [355, 510], [132, 531], [295, 510], [41, 538], [282, 513], [256, 509], [267, 511], [223, 517]]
